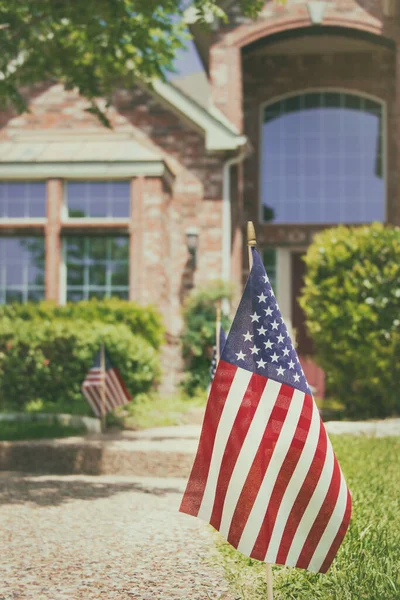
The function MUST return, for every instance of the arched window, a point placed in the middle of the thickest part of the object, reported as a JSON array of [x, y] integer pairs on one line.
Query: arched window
[[321, 160]]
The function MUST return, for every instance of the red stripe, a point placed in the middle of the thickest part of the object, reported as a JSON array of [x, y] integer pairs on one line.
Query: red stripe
[[285, 474], [122, 384], [121, 394], [339, 537], [220, 387], [321, 520], [260, 464], [303, 497], [238, 434]]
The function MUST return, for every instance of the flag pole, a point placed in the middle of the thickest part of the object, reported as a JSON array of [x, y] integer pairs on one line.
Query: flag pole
[[252, 243], [218, 332], [103, 387]]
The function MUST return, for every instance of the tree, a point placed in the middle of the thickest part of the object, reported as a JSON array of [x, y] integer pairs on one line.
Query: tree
[[91, 45]]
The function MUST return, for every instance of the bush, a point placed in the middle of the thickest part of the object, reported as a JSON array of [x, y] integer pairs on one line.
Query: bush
[[144, 321], [43, 363], [351, 300], [198, 336]]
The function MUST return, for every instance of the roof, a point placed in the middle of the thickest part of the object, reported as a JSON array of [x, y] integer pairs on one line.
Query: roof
[[196, 86], [85, 153]]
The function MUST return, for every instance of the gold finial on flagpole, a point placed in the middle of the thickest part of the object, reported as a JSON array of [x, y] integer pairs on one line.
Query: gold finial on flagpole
[[251, 241]]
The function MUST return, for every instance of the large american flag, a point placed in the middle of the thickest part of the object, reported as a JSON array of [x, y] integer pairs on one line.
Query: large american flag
[[115, 393], [265, 474]]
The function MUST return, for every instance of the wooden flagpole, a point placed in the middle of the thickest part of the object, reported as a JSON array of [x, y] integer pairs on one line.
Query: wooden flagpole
[[252, 243], [218, 332], [103, 387]]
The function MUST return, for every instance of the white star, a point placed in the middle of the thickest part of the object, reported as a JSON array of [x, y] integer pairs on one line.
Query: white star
[[254, 317], [268, 311], [262, 331], [268, 345], [291, 365], [296, 377], [274, 325], [280, 371], [265, 277], [280, 338], [286, 351], [255, 350], [274, 357], [261, 297], [247, 336], [240, 355], [261, 363]]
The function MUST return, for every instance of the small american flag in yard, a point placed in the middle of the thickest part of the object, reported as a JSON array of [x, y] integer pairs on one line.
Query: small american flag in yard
[[104, 389], [265, 474], [213, 367]]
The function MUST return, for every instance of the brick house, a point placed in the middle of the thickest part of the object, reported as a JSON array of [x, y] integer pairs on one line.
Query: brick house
[[295, 125]]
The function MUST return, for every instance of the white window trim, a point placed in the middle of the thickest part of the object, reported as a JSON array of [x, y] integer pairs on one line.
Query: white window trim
[[299, 92]]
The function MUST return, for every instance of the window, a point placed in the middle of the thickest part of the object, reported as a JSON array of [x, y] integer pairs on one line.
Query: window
[[97, 267], [23, 200], [99, 199], [21, 269], [322, 160]]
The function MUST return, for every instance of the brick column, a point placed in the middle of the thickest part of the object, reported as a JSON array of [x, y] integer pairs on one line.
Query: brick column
[[52, 238], [136, 225], [226, 81]]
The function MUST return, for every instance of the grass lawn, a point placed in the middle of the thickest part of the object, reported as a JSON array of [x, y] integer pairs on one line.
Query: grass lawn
[[35, 430], [367, 566], [159, 410]]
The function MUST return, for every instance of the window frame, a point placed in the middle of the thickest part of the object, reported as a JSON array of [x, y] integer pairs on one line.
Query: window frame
[[319, 90], [63, 288], [81, 221], [25, 286], [26, 221]]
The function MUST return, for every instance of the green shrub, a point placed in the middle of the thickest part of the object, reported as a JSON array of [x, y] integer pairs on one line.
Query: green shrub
[[144, 321], [43, 363], [351, 300], [198, 336]]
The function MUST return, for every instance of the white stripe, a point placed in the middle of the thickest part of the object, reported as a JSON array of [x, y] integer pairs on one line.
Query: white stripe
[[331, 529], [120, 398], [232, 404], [294, 485], [92, 397], [257, 514], [312, 509], [248, 452]]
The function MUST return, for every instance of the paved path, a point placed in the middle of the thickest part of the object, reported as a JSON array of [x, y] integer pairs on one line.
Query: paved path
[[87, 538]]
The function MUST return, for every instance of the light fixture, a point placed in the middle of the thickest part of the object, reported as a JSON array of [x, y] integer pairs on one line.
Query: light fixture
[[192, 239]]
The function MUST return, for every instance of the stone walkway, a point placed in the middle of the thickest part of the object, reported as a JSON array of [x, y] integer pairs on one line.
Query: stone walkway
[[88, 538]]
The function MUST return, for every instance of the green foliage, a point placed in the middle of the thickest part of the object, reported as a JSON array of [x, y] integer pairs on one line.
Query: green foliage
[[47, 361], [367, 565], [16, 430], [351, 300], [198, 337], [95, 46], [143, 321]]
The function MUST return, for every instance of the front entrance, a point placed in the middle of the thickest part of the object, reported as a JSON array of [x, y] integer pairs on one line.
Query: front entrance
[[304, 342]]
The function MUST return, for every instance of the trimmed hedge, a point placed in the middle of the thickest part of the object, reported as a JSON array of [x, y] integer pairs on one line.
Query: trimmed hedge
[[144, 321], [46, 361], [351, 300]]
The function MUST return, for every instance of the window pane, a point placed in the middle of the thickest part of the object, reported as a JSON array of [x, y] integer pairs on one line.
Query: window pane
[[97, 267], [98, 199], [21, 200], [21, 269], [322, 160]]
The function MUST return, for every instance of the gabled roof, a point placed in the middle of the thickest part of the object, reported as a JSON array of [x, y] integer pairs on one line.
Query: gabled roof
[[220, 133]]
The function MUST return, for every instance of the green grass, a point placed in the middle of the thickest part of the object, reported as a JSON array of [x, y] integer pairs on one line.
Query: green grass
[[367, 566], [160, 410], [18, 430]]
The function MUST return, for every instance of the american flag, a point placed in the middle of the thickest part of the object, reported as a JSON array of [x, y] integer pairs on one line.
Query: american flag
[[114, 394], [222, 340], [265, 474]]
